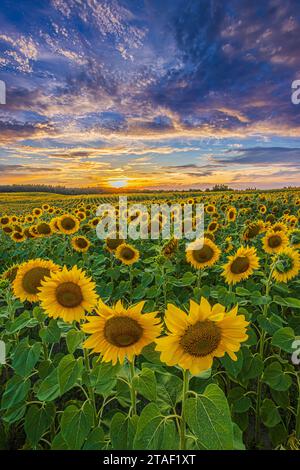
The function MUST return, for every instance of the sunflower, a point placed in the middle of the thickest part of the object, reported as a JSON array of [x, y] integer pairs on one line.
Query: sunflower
[[81, 215], [53, 224], [127, 254], [37, 212], [210, 209], [170, 247], [43, 229], [279, 227], [286, 265], [68, 224], [213, 226], [10, 273], [80, 244], [94, 222], [273, 242], [68, 294], [118, 333], [295, 238], [231, 214], [201, 256], [111, 244], [252, 231], [18, 236], [228, 244], [240, 265], [29, 277], [29, 218], [262, 209], [33, 231], [199, 336], [5, 220], [8, 229]]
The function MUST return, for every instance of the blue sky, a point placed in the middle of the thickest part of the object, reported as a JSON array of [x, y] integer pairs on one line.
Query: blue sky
[[150, 94]]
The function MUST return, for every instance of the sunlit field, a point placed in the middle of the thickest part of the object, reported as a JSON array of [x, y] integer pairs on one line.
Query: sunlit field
[[140, 344]]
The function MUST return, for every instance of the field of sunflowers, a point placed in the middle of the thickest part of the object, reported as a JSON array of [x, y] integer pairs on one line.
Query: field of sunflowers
[[122, 344]]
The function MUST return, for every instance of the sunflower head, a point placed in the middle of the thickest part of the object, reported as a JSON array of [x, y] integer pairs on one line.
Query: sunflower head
[[112, 243], [170, 247], [4, 220], [203, 255], [273, 242], [68, 294], [37, 212], [252, 231], [10, 273], [240, 265], [29, 277], [18, 236], [8, 229], [68, 224], [43, 229], [286, 265], [127, 254], [213, 226], [118, 333], [295, 238], [231, 214], [196, 337], [80, 244]]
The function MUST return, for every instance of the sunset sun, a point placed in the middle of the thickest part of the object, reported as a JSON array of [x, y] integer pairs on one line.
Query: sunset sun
[[118, 183]]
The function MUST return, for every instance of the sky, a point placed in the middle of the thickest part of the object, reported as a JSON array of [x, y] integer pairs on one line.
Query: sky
[[150, 94]]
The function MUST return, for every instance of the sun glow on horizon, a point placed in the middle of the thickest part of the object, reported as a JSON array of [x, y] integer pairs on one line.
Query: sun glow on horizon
[[118, 183]]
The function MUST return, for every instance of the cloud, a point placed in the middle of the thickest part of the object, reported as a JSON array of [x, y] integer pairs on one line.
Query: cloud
[[176, 83], [263, 156]]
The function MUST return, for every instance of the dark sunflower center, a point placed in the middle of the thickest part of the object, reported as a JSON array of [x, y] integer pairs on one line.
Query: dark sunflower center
[[18, 236], [253, 231], [113, 243], [240, 265], [122, 331], [201, 339], [81, 243], [212, 226], [4, 220], [275, 241], [204, 254], [44, 228], [68, 223], [69, 295], [127, 253], [32, 279]]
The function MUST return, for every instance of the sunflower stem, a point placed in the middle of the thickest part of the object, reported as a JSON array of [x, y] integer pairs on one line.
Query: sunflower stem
[[131, 283], [163, 273], [199, 278], [261, 352], [185, 390], [132, 389], [90, 388]]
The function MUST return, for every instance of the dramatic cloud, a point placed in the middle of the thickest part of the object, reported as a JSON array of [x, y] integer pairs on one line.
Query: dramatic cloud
[[177, 93]]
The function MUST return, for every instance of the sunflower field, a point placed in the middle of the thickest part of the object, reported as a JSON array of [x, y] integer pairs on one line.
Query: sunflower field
[[141, 344]]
